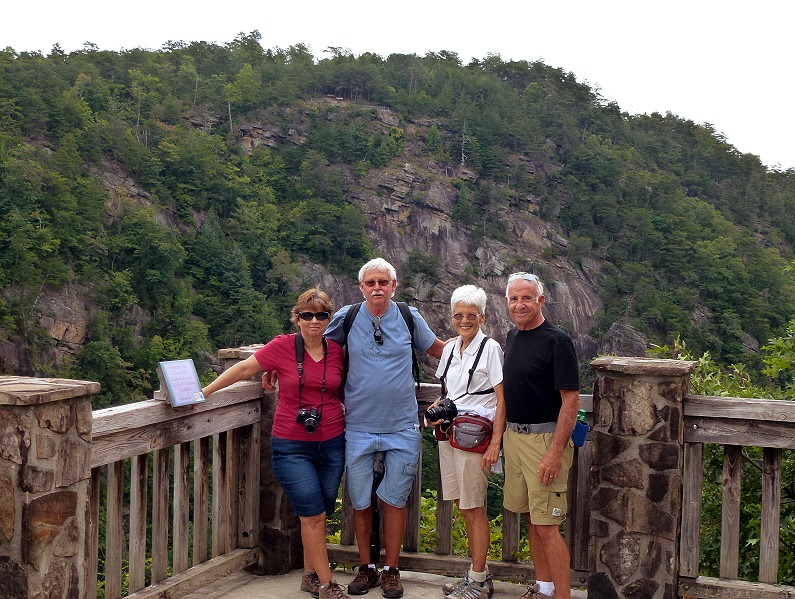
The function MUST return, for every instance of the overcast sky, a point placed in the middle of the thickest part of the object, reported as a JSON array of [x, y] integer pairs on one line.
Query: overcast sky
[[727, 63]]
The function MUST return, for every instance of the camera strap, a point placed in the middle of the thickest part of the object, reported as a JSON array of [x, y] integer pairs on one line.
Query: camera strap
[[299, 360], [471, 372]]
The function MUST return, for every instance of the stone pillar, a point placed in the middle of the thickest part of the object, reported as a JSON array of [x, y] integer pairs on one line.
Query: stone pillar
[[45, 449], [635, 482], [280, 548], [280, 544]]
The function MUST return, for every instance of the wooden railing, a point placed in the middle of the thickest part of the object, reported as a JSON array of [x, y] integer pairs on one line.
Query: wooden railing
[[202, 464], [201, 467], [508, 567], [734, 424]]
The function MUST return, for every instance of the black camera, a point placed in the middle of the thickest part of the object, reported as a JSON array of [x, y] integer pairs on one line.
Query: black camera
[[444, 410], [309, 417]]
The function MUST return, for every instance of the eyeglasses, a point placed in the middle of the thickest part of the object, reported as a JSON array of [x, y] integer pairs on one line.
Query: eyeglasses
[[527, 277], [321, 316], [372, 282], [377, 335], [522, 275], [459, 317]]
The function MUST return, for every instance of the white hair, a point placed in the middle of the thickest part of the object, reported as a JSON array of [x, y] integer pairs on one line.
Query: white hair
[[377, 264], [469, 295], [527, 277]]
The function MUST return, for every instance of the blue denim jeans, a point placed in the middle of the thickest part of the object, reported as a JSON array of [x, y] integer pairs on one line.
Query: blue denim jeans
[[401, 460], [309, 472]]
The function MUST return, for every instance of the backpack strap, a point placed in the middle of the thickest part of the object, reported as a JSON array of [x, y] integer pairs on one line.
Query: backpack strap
[[405, 312], [347, 323], [408, 317]]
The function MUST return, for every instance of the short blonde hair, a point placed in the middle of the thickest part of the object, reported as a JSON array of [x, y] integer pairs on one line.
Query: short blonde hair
[[313, 300]]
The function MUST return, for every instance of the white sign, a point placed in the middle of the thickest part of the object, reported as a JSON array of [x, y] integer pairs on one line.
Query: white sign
[[180, 382]]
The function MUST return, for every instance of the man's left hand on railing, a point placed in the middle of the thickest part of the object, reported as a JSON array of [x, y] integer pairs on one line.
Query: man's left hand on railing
[[270, 381]]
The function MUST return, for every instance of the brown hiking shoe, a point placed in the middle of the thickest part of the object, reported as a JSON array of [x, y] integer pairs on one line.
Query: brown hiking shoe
[[310, 583], [332, 591], [367, 578], [390, 583]]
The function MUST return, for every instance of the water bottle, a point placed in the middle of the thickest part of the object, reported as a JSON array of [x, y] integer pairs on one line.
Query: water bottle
[[580, 429]]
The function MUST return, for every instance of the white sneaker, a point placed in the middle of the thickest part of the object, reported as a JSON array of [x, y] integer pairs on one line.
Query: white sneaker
[[470, 590], [450, 587]]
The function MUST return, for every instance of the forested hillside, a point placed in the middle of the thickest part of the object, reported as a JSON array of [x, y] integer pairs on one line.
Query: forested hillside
[[162, 204]]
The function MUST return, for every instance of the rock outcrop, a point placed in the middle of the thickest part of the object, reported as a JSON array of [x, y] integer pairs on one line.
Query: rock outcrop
[[408, 207]]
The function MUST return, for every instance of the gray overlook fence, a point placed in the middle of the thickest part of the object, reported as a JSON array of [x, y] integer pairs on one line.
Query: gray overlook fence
[[203, 503]]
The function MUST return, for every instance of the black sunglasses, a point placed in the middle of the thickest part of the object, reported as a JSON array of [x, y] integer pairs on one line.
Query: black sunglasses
[[377, 335], [321, 316]]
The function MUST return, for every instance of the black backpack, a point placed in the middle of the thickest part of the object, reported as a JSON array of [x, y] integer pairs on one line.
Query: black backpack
[[408, 317]]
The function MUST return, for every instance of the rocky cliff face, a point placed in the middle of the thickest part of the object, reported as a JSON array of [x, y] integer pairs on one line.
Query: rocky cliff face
[[408, 209], [408, 206]]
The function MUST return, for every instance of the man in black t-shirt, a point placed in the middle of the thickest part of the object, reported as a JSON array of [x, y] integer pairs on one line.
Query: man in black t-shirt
[[541, 387]]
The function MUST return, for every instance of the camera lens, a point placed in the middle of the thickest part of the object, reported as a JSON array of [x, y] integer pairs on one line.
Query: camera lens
[[310, 418], [444, 410], [310, 425]]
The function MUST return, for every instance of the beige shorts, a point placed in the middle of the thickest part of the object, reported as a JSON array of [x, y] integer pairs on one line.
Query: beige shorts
[[523, 493], [462, 477]]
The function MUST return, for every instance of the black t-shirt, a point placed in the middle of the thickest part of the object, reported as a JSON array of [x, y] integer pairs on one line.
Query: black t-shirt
[[539, 363]]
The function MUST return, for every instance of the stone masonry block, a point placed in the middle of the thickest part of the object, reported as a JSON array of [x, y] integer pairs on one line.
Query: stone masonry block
[[658, 486], [607, 447], [7, 506], [624, 474], [56, 416], [11, 436], [660, 456], [637, 414], [74, 462], [622, 556], [42, 521], [13, 578]]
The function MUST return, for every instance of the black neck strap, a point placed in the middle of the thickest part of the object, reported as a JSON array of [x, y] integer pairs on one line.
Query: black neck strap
[[471, 372], [299, 360]]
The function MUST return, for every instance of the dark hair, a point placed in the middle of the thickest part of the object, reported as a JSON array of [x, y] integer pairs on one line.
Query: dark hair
[[313, 300]]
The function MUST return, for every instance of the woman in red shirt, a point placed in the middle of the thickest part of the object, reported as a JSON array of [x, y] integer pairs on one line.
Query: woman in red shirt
[[307, 438]]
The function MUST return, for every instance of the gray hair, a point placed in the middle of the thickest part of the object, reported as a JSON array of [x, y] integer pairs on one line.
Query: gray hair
[[469, 295], [377, 264], [527, 277]]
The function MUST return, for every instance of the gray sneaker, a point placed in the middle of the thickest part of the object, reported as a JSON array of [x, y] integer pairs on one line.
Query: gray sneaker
[[470, 590], [449, 588], [310, 583], [332, 591]]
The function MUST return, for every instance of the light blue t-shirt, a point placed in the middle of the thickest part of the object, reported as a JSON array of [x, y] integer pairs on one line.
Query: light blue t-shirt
[[379, 391]]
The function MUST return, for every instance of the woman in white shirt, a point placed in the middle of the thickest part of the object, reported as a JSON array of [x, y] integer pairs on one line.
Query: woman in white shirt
[[473, 391]]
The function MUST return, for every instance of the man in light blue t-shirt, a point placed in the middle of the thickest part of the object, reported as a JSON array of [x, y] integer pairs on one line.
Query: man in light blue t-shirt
[[381, 415]]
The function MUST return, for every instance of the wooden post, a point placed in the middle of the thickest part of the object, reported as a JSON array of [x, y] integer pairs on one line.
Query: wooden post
[[636, 476], [45, 472]]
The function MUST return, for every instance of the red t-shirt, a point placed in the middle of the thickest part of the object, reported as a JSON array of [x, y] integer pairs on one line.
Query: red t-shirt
[[279, 355]]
